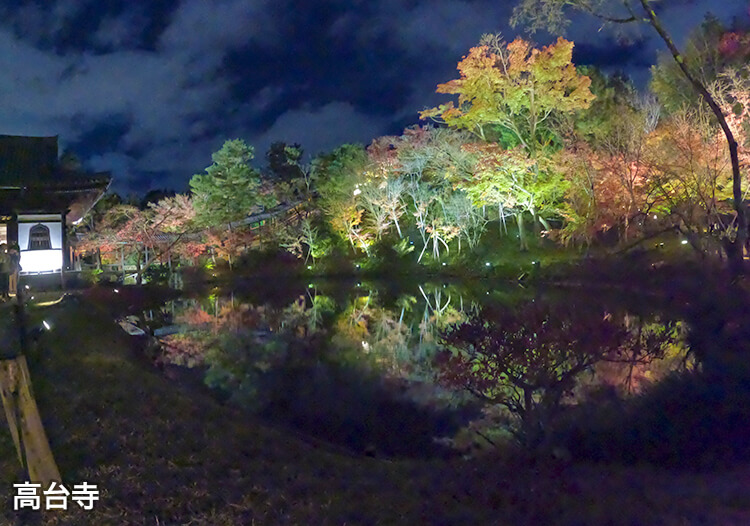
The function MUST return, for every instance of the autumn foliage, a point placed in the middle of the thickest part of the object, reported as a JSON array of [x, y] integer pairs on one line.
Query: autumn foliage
[[514, 86]]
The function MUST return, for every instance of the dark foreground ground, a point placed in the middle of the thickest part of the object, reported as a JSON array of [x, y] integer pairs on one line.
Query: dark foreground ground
[[164, 455]]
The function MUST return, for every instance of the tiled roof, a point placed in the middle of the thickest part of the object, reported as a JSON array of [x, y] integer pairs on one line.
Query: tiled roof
[[32, 180], [27, 159]]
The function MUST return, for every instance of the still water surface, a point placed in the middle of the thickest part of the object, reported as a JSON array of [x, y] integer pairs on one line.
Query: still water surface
[[353, 362]]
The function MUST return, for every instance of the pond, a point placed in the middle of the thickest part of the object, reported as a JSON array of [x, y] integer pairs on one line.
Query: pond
[[357, 363]]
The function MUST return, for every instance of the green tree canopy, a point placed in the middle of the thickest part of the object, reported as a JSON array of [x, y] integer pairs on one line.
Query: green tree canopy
[[615, 96], [339, 172], [229, 190], [284, 161], [338, 175]]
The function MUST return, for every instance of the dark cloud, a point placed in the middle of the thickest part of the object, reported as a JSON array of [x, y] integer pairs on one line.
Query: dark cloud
[[633, 57], [150, 89]]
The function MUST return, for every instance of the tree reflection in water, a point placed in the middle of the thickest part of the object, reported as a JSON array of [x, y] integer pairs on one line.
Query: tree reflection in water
[[359, 365]]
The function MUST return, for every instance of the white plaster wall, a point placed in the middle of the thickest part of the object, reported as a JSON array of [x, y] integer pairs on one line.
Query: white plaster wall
[[41, 260]]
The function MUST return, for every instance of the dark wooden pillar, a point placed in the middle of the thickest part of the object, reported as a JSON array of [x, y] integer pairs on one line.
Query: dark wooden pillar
[[65, 259]]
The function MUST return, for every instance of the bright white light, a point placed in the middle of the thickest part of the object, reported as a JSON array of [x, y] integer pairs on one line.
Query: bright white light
[[41, 260], [117, 290], [27, 287], [443, 264], [357, 191], [654, 216], [487, 264], [46, 325], [684, 241]]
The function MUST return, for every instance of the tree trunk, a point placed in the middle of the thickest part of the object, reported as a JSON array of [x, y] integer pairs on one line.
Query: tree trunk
[[521, 231], [502, 218], [122, 262], [398, 228], [735, 255], [138, 270], [229, 249], [530, 420]]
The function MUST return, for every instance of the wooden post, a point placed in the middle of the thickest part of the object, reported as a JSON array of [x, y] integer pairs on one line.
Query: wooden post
[[22, 415], [122, 262], [64, 249], [21, 411]]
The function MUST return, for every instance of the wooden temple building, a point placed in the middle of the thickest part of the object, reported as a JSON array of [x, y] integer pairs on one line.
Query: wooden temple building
[[39, 198]]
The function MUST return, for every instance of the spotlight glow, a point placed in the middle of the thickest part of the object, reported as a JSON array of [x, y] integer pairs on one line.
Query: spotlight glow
[[46, 325]]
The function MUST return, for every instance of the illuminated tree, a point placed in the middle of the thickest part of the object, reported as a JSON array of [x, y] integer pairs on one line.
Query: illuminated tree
[[691, 180], [468, 220], [508, 179], [513, 87], [439, 232], [228, 244], [229, 190], [703, 55], [732, 90], [304, 240], [614, 94], [374, 200], [606, 165], [124, 230], [147, 235], [595, 200], [550, 14], [383, 200], [173, 214], [340, 174], [428, 159], [511, 93]]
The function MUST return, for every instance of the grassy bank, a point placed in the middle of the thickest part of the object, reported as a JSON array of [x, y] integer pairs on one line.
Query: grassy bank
[[162, 454]]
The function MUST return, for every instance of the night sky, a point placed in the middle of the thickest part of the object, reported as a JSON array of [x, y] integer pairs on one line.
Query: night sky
[[148, 90]]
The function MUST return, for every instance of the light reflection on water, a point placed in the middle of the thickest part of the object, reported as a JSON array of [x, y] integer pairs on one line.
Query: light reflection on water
[[354, 363]]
